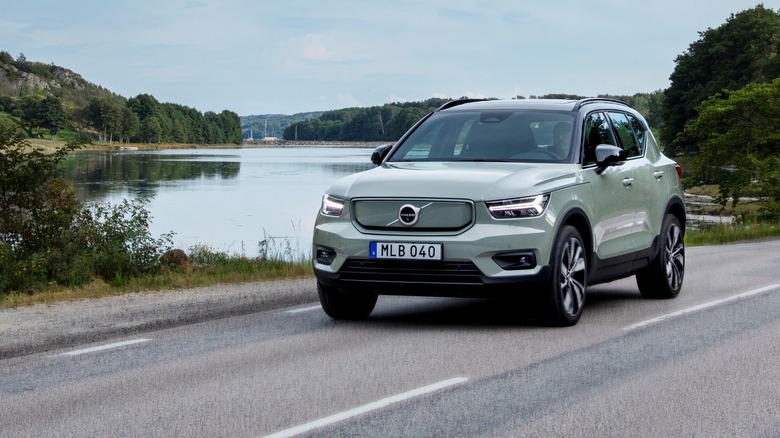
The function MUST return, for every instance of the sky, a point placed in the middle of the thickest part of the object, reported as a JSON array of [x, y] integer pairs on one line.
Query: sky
[[290, 56]]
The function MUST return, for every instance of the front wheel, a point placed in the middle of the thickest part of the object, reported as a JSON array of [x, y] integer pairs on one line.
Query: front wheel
[[339, 304], [565, 295], [664, 277]]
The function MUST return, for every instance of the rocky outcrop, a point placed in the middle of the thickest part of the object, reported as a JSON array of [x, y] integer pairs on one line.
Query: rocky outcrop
[[18, 79], [16, 82]]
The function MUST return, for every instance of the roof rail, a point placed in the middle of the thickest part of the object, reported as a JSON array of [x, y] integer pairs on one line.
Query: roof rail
[[583, 102], [457, 102]]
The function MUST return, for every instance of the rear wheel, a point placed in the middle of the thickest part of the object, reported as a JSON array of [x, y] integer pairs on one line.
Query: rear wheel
[[565, 297], [339, 304], [664, 277]]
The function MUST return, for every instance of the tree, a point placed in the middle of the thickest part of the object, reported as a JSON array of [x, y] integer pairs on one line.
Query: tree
[[35, 205], [106, 115], [44, 113], [29, 115], [143, 105], [739, 52], [131, 126], [404, 120], [738, 134], [230, 123], [52, 115], [151, 130]]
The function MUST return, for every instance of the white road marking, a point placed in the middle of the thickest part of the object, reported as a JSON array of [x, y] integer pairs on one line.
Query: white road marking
[[104, 347], [703, 306], [366, 408], [304, 309]]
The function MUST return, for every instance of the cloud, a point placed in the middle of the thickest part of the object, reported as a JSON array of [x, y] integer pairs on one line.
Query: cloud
[[347, 100], [317, 47]]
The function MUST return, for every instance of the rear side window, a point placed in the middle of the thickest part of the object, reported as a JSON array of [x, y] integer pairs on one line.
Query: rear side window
[[631, 138], [639, 131]]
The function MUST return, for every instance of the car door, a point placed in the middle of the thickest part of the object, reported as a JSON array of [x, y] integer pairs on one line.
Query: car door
[[646, 195], [613, 207]]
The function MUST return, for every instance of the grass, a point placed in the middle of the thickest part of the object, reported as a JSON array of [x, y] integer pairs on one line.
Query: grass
[[204, 267], [235, 270], [718, 234]]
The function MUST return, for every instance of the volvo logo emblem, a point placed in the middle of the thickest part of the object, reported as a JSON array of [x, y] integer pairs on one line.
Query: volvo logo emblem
[[408, 214]]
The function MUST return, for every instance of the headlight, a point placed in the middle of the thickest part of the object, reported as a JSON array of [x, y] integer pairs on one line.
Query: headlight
[[331, 206], [531, 206]]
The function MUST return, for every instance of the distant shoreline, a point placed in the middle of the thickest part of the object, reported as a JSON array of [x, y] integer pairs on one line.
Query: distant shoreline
[[252, 144], [296, 143], [51, 146]]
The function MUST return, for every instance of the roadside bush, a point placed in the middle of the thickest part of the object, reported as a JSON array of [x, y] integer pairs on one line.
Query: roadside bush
[[47, 237], [119, 238]]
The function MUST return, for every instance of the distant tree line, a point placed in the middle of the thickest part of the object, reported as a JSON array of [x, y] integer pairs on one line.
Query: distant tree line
[[46, 99], [257, 127], [378, 123], [143, 119]]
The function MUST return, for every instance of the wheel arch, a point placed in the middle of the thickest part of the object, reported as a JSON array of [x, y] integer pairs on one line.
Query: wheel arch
[[577, 218], [676, 207]]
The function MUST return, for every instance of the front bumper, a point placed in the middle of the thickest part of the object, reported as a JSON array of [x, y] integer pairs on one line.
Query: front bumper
[[474, 261]]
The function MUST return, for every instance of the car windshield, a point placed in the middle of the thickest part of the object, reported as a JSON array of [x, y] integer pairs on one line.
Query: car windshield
[[498, 135]]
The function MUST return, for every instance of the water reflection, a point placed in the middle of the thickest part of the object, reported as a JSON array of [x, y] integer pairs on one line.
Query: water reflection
[[96, 175], [228, 199]]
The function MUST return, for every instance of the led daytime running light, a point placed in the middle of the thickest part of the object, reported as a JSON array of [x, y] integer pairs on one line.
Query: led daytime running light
[[331, 206], [518, 208]]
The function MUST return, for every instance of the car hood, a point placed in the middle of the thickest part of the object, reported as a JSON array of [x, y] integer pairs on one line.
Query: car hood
[[478, 181]]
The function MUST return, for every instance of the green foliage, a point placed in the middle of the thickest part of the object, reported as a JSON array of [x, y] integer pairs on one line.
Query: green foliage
[[377, 123], [738, 134], [33, 202], [741, 51], [48, 237], [144, 119], [648, 104], [107, 117], [719, 234], [36, 114], [256, 127], [119, 241]]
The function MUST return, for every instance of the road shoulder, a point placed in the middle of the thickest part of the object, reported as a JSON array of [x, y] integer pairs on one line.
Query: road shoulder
[[43, 327]]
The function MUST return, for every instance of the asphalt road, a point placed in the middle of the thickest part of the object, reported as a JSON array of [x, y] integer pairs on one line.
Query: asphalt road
[[704, 364]]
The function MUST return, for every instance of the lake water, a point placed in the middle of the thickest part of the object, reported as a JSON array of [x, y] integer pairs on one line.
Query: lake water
[[226, 199]]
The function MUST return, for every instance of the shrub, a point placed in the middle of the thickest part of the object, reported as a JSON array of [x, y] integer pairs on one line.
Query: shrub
[[48, 237], [119, 238]]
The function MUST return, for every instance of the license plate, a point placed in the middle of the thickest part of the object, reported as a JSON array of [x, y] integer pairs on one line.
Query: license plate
[[405, 251]]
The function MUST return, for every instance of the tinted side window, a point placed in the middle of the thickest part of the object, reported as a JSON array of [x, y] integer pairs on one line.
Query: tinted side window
[[639, 131], [626, 133], [597, 131]]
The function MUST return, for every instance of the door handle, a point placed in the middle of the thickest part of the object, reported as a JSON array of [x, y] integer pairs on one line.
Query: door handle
[[658, 175], [627, 182]]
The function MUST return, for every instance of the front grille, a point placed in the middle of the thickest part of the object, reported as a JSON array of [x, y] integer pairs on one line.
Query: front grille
[[429, 215], [412, 272]]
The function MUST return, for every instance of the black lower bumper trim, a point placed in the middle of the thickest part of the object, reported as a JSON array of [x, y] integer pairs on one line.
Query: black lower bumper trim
[[457, 279]]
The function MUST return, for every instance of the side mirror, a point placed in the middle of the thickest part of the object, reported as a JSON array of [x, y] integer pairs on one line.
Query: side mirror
[[609, 155], [380, 153]]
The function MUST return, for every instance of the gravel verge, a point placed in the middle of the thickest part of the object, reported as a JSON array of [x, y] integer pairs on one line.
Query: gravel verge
[[44, 327]]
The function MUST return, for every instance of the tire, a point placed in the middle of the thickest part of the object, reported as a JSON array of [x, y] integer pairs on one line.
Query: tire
[[339, 304], [664, 277], [565, 294]]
